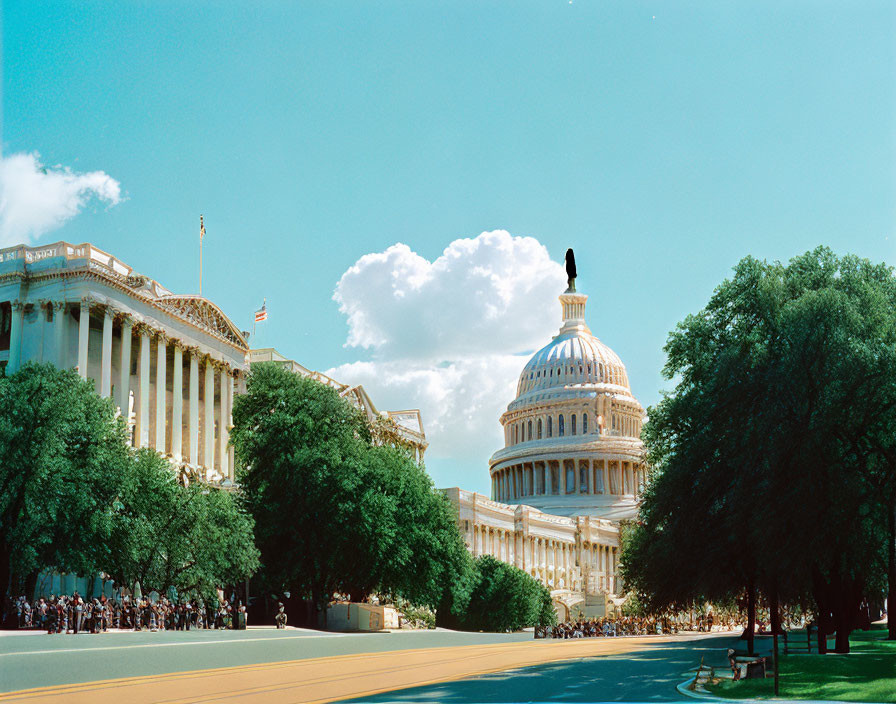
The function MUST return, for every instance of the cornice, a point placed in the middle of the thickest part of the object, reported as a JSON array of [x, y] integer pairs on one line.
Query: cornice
[[93, 272]]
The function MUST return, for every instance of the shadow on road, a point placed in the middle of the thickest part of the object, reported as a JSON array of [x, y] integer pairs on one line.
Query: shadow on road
[[650, 675]]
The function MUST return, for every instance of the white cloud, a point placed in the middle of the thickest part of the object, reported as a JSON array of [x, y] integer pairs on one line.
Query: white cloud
[[451, 337], [35, 199]]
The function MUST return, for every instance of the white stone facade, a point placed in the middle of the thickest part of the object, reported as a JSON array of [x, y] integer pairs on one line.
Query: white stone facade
[[172, 363]]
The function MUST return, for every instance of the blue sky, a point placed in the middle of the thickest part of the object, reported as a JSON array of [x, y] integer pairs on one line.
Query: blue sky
[[662, 140]]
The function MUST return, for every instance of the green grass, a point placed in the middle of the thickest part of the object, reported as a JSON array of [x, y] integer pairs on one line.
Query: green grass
[[867, 674]]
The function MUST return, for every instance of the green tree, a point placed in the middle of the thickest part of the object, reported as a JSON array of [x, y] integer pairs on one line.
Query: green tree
[[764, 466], [504, 598], [300, 447], [334, 511], [64, 460], [193, 538]]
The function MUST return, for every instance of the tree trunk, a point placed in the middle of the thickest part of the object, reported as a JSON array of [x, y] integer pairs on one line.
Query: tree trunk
[[751, 617], [891, 568], [774, 611], [6, 619]]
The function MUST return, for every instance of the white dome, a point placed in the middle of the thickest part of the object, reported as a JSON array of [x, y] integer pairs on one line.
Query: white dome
[[573, 357]]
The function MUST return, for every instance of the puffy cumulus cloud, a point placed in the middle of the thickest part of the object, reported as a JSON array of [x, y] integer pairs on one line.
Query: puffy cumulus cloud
[[35, 199], [451, 337], [476, 298]]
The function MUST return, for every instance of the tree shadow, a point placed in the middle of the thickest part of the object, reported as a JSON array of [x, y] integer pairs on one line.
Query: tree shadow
[[650, 675]]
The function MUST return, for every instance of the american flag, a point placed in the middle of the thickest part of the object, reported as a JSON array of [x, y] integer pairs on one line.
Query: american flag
[[201, 228], [262, 314]]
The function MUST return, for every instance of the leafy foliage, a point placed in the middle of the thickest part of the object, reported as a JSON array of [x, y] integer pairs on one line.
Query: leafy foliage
[[504, 598], [64, 460], [193, 538], [768, 456], [334, 512]]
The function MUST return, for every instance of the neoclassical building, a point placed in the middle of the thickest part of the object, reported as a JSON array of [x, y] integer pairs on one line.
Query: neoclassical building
[[404, 428], [171, 362], [571, 468]]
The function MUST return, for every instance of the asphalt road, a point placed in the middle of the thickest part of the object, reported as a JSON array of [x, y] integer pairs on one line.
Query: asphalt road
[[644, 676], [262, 665]]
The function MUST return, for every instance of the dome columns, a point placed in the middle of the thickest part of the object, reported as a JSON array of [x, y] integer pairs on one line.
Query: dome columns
[[568, 476]]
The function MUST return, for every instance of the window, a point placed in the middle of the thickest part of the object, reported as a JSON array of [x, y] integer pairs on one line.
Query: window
[[539, 428], [530, 430], [550, 426], [584, 424], [560, 427], [572, 425]]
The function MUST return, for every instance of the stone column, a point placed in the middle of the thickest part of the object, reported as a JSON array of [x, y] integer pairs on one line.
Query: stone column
[[606, 477], [562, 477], [613, 570], [15, 336], [194, 408], [177, 402], [106, 368], [143, 391], [209, 429], [223, 434], [161, 395], [124, 380], [59, 330], [83, 337], [592, 477]]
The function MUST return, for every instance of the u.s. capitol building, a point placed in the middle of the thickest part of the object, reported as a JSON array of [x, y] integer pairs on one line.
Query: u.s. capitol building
[[571, 469]]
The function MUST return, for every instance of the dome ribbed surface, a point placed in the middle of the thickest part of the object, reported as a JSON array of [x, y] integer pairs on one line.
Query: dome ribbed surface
[[572, 358]]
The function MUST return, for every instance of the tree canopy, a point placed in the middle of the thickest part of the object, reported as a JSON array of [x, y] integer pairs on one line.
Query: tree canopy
[[770, 456], [64, 460], [193, 538], [335, 512], [504, 598]]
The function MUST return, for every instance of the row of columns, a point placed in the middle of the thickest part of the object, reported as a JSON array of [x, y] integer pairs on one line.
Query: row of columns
[[603, 561], [215, 374], [537, 478], [553, 562]]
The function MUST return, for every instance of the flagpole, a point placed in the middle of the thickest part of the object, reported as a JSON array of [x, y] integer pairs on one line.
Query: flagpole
[[201, 233]]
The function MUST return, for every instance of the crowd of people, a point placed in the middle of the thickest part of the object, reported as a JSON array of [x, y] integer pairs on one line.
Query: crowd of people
[[75, 614], [623, 626]]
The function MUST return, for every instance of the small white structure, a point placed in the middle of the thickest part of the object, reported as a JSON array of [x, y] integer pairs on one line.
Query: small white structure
[[346, 616]]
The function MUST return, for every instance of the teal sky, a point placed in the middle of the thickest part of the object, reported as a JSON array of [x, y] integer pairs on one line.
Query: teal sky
[[662, 140]]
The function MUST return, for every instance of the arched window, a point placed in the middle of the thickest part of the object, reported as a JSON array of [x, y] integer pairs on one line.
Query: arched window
[[583, 479], [539, 428], [530, 429], [572, 425], [584, 424], [550, 426], [560, 427]]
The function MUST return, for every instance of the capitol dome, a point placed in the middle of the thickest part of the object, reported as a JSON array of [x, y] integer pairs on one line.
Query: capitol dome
[[572, 434]]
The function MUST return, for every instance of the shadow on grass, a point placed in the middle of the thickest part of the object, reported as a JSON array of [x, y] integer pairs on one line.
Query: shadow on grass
[[867, 674], [650, 675]]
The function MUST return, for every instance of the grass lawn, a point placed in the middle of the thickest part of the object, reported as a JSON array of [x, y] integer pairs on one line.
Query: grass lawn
[[867, 674]]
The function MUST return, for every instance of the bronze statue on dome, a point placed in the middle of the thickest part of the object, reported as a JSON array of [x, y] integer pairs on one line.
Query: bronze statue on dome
[[571, 270]]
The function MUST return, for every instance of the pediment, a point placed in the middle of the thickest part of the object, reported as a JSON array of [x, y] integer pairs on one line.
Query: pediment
[[204, 314]]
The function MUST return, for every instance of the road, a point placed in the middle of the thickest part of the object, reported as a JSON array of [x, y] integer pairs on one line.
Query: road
[[306, 666]]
